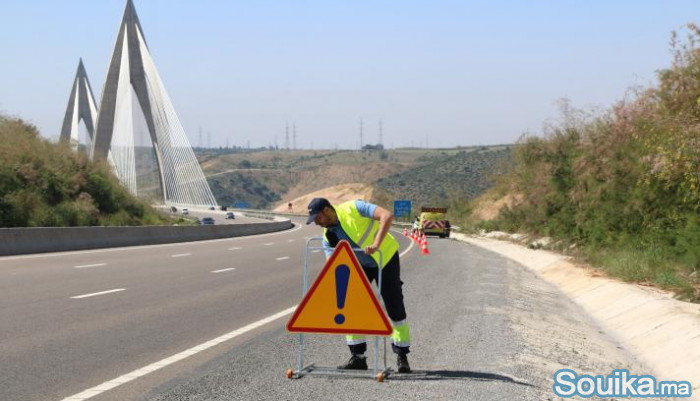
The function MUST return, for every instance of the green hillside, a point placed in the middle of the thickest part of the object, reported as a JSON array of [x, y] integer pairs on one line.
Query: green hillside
[[48, 185], [264, 178], [624, 184], [443, 177]]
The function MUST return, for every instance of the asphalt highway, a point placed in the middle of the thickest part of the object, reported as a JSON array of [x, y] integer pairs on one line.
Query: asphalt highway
[[137, 323], [163, 299]]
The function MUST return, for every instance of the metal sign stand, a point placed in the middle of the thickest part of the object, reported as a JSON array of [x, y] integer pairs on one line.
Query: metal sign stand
[[312, 369]]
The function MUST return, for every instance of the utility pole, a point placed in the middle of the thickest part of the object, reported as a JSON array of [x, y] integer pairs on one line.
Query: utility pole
[[361, 133]]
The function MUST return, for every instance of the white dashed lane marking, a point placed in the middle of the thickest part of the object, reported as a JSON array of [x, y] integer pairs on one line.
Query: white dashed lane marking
[[98, 293], [269, 243], [282, 258], [93, 265], [180, 255], [224, 270], [235, 248]]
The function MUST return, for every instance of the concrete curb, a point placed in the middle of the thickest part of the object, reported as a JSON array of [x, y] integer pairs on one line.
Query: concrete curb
[[16, 241], [662, 332]]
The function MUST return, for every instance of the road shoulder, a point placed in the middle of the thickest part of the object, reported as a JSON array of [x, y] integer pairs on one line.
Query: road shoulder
[[658, 330]]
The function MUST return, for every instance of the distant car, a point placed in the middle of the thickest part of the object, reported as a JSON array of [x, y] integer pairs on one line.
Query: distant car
[[185, 211], [207, 221], [212, 208], [230, 216], [224, 208], [173, 209]]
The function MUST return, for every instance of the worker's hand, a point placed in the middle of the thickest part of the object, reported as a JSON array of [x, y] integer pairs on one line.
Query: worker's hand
[[371, 249]]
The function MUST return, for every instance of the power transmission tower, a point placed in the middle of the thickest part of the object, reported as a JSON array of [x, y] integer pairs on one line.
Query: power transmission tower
[[209, 140], [294, 136], [286, 137]]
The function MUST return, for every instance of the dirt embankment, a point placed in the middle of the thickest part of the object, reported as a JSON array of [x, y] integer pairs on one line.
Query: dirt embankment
[[487, 207], [335, 194]]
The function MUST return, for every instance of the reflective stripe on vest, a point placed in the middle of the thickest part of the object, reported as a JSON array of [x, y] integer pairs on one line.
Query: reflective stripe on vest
[[362, 230], [401, 336]]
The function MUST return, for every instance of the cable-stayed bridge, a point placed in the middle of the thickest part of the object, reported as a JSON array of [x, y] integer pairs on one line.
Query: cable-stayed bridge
[[136, 128]]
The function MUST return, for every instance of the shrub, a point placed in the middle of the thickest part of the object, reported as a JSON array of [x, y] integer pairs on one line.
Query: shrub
[[625, 182], [44, 184]]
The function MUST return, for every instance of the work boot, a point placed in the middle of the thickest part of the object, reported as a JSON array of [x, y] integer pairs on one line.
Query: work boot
[[402, 363], [356, 362]]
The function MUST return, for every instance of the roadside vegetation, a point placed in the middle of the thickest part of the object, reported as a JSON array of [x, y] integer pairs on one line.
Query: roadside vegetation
[[48, 185], [623, 185]]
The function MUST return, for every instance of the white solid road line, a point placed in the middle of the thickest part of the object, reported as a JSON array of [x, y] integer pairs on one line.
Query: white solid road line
[[282, 258], [93, 265], [91, 392], [179, 255], [98, 293], [235, 248], [269, 243], [224, 270], [406, 251], [297, 227]]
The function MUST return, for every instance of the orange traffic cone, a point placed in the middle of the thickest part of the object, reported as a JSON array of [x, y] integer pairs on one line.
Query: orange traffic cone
[[424, 248], [405, 232]]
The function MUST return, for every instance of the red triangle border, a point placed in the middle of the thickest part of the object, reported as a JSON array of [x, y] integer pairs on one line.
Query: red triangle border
[[356, 265]]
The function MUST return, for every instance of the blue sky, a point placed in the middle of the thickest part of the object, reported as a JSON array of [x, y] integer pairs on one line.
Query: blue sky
[[445, 73]]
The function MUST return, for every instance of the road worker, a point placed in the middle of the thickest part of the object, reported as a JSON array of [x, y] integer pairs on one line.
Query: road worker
[[366, 226]]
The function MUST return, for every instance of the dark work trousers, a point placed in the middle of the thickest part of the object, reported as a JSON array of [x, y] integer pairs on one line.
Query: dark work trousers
[[391, 295]]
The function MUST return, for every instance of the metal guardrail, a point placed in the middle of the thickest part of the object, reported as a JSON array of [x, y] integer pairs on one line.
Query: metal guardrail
[[265, 214]]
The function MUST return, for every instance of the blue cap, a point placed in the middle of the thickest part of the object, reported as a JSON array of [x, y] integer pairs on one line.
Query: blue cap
[[315, 207]]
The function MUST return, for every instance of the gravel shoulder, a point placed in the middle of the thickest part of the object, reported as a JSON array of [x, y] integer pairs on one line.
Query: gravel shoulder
[[648, 323]]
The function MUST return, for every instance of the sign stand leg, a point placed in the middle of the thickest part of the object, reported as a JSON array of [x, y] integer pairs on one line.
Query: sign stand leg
[[312, 369]]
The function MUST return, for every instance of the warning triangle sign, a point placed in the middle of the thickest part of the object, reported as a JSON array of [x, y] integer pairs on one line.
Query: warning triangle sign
[[341, 300]]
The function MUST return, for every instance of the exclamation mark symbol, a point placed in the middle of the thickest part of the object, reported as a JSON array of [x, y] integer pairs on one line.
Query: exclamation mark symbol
[[342, 277]]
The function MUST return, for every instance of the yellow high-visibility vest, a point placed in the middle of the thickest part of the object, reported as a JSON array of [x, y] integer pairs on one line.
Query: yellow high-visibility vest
[[362, 231]]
